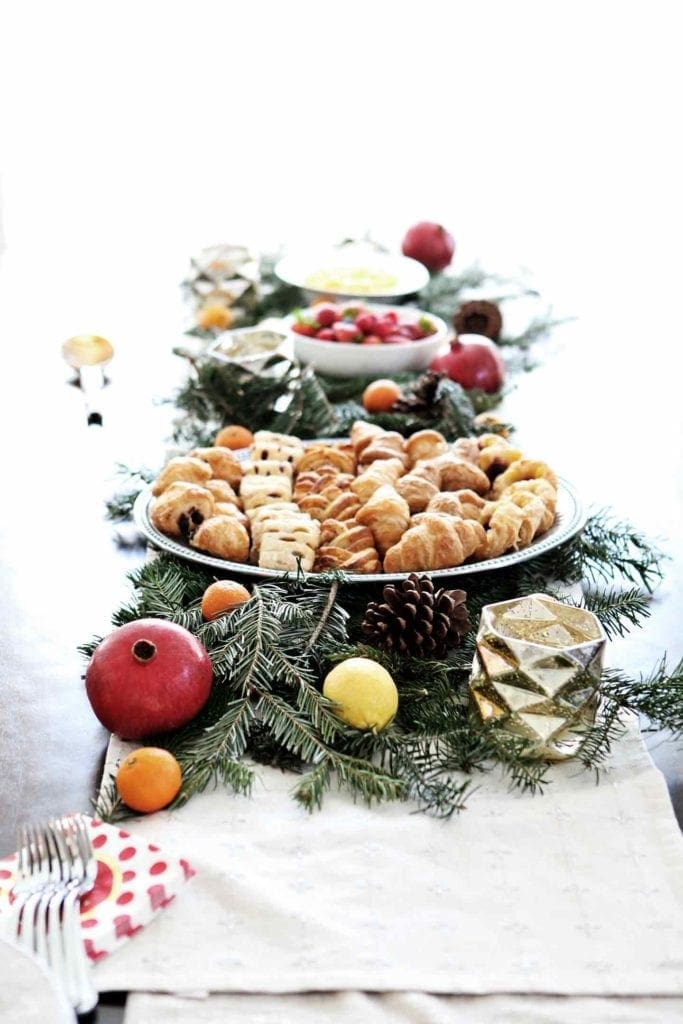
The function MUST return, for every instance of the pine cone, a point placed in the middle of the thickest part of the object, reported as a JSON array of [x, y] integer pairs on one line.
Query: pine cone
[[416, 619], [423, 395], [479, 317]]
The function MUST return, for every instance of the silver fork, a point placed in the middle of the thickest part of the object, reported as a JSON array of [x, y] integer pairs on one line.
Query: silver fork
[[79, 870]]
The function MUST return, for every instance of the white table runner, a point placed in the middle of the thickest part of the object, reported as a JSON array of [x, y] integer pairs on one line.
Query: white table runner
[[579, 891]]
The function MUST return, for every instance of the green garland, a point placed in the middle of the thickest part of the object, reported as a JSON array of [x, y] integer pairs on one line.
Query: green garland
[[271, 654]]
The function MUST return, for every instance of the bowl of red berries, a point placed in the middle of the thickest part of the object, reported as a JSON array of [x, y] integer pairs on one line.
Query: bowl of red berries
[[357, 339]]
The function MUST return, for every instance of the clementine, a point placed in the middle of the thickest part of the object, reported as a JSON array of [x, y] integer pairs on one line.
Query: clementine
[[215, 315], [222, 596], [380, 395], [234, 437], [148, 779]]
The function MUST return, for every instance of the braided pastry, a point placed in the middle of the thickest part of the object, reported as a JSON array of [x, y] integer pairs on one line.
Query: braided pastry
[[341, 457], [387, 514], [382, 471], [425, 444], [436, 541], [314, 480], [523, 469], [332, 502], [364, 561], [181, 469], [350, 536]]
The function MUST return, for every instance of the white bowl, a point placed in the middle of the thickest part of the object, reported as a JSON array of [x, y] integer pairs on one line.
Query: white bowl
[[353, 272], [349, 359]]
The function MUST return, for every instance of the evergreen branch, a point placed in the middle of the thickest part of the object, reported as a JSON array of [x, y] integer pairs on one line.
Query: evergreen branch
[[108, 805], [617, 609], [608, 546], [291, 728], [658, 696], [120, 506], [309, 792]]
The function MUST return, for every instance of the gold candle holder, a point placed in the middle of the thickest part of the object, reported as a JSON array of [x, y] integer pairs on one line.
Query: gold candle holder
[[537, 670]]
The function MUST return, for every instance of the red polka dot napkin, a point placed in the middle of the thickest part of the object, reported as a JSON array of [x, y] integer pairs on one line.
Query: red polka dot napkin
[[135, 880]]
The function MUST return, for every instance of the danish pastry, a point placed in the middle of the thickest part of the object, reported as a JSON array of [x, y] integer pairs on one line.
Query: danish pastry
[[224, 537], [183, 468], [181, 509]]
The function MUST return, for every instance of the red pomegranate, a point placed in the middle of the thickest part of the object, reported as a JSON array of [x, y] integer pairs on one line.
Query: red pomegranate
[[474, 363], [148, 676], [429, 243]]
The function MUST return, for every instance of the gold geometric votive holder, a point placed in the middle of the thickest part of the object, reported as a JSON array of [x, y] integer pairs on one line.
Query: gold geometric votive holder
[[537, 670]]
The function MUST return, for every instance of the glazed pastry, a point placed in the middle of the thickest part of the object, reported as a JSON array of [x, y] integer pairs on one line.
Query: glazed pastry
[[349, 536], [425, 444], [341, 457], [182, 468], [383, 471], [261, 490], [387, 514], [222, 491], [271, 447], [285, 552], [315, 480], [181, 509], [224, 464], [224, 537], [299, 526], [436, 541], [523, 469], [417, 491], [466, 504]]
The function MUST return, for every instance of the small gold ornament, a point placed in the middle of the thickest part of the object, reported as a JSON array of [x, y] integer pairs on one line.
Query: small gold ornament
[[537, 669]]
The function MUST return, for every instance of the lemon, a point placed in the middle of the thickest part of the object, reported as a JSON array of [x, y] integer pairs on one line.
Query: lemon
[[364, 692]]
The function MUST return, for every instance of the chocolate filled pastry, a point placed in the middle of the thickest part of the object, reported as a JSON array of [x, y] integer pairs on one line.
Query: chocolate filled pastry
[[181, 509], [184, 469]]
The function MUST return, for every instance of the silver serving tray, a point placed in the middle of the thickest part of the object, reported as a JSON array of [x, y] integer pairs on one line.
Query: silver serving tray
[[569, 520]]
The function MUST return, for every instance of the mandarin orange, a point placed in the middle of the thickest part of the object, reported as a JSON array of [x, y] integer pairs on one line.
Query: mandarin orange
[[380, 395], [148, 779], [234, 437], [222, 596]]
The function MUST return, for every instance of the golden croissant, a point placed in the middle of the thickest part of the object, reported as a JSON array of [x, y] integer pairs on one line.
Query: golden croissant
[[437, 541]]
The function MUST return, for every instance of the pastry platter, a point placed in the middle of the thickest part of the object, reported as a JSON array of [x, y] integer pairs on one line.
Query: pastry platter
[[570, 519]]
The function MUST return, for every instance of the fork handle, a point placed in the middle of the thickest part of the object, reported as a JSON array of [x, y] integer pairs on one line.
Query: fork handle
[[78, 966]]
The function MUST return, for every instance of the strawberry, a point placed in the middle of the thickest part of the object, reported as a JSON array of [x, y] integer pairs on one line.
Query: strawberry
[[301, 327], [344, 331], [326, 313], [326, 334], [366, 322]]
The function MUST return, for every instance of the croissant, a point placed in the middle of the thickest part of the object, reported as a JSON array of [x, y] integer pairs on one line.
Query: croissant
[[437, 541], [466, 504], [182, 468], [494, 458], [457, 474], [341, 457], [222, 491], [425, 444], [223, 536], [387, 514], [382, 471], [387, 445], [466, 448], [226, 508], [417, 491], [181, 509], [362, 434], [224, 464], [523, 469]]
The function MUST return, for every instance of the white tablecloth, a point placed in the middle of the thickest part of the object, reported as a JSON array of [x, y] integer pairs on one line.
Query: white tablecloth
[[576, 892]]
